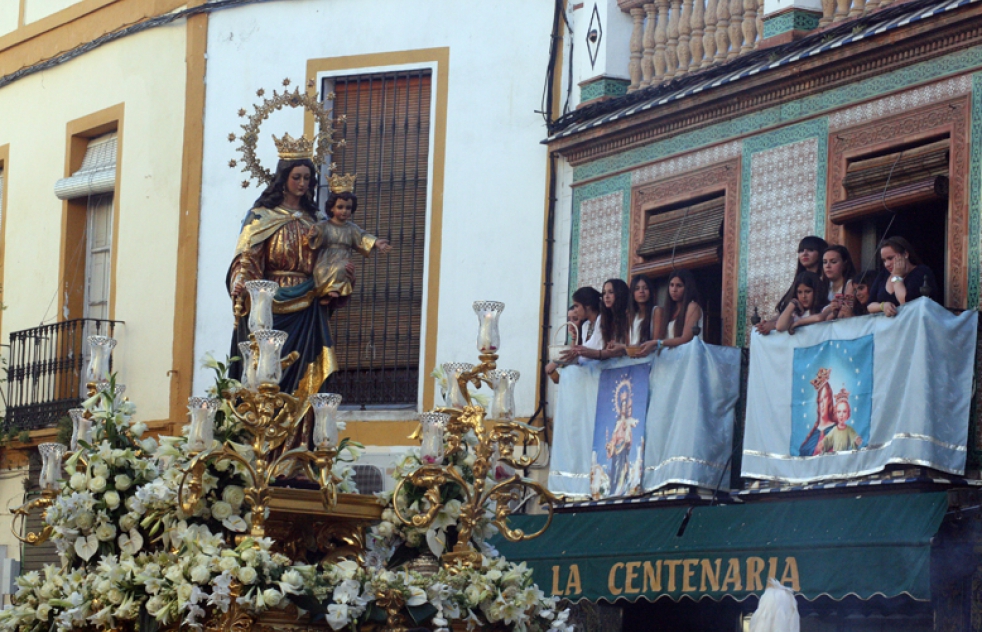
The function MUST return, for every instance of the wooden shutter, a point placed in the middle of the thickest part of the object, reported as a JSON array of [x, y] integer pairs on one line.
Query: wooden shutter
[[387, 133], [686, 236]]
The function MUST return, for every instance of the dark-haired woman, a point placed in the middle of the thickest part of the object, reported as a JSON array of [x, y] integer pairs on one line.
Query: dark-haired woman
[[640, 306], [586, 306], [862, 283], [273, 245], [675, 321], [838, 270], [615, 325], [810, 251], [901, 279]]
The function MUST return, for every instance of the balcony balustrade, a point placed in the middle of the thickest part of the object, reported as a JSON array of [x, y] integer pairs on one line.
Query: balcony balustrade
[[46, 369], [672, 38]]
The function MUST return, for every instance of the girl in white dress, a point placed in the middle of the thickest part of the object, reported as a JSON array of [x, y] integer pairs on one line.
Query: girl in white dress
[[674, 323]]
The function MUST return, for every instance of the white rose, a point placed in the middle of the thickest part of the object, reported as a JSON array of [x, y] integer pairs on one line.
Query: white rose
[[100, 469], [221, 510], [115, 596], [228, 564], [112, 499], [272, 597], [233, 495], [97, 483], [78, 481], [184, 591], [43, 611], [247, 575], [222, 465], [248, 556], [174, 574], [200, 574], [105, 532], [149, 445], [129, 521], [138, 429], [123, 482], [85, 520], [386, 529]]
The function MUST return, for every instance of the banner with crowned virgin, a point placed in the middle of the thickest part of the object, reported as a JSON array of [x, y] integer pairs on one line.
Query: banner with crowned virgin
[[846, 398], [618, 435], [630, 426]]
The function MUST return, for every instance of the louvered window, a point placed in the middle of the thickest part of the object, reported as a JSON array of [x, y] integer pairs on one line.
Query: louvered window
[[686, 235], [97, 173], [387, 135]]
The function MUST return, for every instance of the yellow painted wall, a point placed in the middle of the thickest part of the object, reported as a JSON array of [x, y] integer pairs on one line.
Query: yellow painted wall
[[36, 9], [146, 73]]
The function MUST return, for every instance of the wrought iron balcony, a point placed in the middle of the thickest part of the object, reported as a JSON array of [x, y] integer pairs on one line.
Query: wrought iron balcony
[[46, 370]]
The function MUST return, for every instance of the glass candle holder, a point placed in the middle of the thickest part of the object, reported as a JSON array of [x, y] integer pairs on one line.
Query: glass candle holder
[[81, 428], [452, 370], [261, 295], [270, 347], [248, 365], [503, 400], [431, 442], [51, 462], [202, 431], [488, 312], [325, 407], [100, 353]]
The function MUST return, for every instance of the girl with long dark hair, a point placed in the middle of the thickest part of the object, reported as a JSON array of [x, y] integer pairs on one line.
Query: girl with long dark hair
[[810, 251], [640, 306], [838, 270], [682, 311], [614, 323], [806, 308], [901, 279]]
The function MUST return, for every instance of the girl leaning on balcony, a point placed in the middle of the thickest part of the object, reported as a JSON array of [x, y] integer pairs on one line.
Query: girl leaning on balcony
[[901, 279], [810, 251]]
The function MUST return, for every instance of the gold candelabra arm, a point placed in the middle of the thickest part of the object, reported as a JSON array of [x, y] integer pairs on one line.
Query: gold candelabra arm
[[46, 499], [268, 415], [477, 375], [317, 465], [511, 490], [288, 361], [509, 434], [429, 478]]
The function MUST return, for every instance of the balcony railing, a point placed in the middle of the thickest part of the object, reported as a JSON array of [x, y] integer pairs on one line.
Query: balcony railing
[[46, 370], [672, 38]]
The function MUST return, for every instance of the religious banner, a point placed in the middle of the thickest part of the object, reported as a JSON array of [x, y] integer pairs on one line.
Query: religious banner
[[618, 436], [682, 428], [846, 398]]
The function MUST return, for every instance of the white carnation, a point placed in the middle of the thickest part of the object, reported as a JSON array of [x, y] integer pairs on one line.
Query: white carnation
[[221, 510]]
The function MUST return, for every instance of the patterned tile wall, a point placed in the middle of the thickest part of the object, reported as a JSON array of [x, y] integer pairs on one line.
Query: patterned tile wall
[[782, 211], [900, 102], [601, 228], [688, 162]]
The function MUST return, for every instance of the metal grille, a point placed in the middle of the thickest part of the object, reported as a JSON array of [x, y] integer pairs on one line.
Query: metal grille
[[377, 334], [46, 370], [369, 479]]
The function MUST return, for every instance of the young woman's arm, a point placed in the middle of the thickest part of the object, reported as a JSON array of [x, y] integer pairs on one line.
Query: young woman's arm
[[693, 314], [811, 320], [786, 319]]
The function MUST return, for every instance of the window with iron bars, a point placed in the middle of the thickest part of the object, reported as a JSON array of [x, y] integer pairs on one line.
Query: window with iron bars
[[387, 136]]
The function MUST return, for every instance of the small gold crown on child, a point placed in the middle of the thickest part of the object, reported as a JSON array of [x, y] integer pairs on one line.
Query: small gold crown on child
[[342, 184]]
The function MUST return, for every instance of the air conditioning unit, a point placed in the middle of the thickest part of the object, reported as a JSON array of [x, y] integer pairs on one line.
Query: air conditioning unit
[[9, 571], [383, 458]]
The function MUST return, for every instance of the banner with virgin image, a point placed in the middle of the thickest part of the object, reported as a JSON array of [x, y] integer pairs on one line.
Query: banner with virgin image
[[846, 398], [667, 419]]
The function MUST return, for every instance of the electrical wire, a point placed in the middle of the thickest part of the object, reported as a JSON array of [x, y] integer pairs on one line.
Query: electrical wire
[[161, 20]]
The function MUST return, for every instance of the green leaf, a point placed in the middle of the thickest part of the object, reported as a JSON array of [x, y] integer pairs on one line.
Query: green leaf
[[421, 613], [311, 605], [403, 554]]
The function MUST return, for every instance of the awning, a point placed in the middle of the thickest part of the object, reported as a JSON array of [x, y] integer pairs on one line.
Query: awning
[[861, 545]]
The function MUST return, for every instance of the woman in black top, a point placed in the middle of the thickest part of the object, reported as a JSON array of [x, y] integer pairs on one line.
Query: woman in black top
[[901, 279]]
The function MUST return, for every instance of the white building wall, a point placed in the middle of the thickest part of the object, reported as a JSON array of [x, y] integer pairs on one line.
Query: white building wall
[[492, 239]]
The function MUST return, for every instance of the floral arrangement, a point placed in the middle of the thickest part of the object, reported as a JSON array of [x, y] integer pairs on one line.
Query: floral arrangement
[[131, 557]]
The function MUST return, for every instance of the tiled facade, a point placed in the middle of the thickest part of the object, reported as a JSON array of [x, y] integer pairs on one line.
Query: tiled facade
[[601, 226], [798, 132], [782, 210]]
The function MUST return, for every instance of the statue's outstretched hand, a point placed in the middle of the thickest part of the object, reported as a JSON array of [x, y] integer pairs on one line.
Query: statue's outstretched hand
[[383, 245]]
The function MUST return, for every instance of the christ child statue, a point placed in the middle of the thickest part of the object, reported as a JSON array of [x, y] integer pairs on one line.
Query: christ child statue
[[336, 238], [843, 437]]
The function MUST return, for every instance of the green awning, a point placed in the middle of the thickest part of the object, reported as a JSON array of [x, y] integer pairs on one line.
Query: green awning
[[862, 546]]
